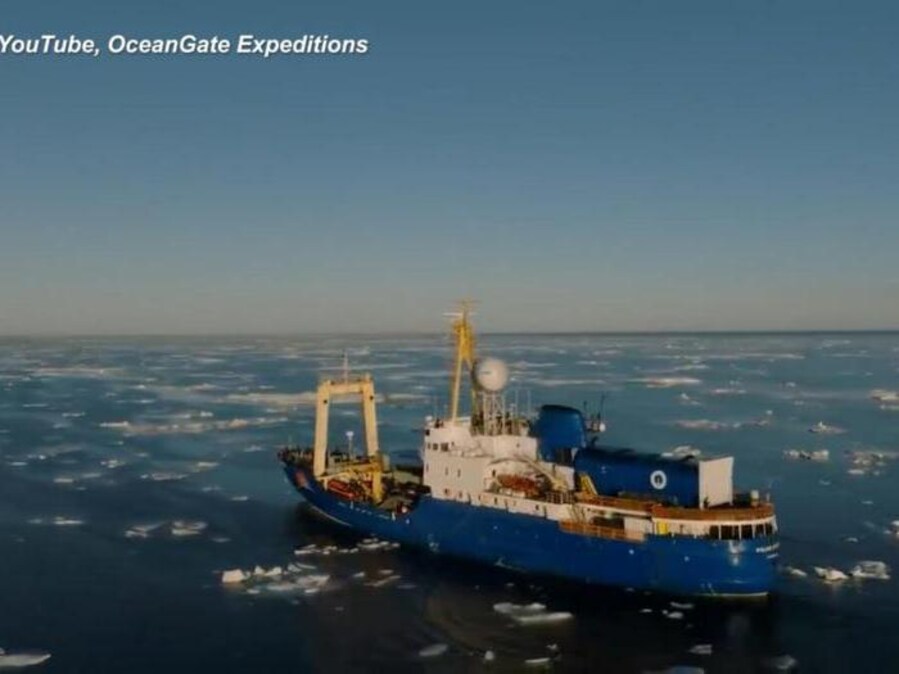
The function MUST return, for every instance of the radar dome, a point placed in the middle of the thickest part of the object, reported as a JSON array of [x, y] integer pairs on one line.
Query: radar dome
[[491, 375]]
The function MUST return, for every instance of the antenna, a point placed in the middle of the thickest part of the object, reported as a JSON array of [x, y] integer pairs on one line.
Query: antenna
[[595, 423]]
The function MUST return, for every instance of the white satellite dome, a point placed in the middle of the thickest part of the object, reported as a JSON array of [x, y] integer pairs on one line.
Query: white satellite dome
[[491, 374]]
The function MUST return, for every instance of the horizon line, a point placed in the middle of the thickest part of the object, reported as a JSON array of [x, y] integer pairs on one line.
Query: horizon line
[[431, 333]]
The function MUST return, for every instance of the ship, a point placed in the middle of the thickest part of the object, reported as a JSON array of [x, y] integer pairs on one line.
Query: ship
[[539, 493]]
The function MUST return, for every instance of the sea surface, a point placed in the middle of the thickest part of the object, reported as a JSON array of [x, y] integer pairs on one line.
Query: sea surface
[[134, 471]]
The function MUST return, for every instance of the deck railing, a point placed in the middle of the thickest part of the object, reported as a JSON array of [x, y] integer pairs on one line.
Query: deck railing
[[585, 529], [726, 514]]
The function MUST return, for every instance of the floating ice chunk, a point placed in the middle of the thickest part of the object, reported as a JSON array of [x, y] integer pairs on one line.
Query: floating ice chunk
[[871, 569], [489, 656], [510, 609], [796, 573], [548, 618], [825, 429], [667, 382], [163, 476], [241, 498], [67, 521], [830, 574], [64, 479], [673, 615], [142, 530], [645, 610], [384, 581], [531, 614], [282, 587], [728, 391], [683, 451], [258, 571], [234, 576], [120, 425], [683, 606], [433, 651], [703, 425], [857, 471], [884, 396], [537, 662], [187, 527], [782, 663], [274, 572], [23, 659], [701, 649], [814, 455]]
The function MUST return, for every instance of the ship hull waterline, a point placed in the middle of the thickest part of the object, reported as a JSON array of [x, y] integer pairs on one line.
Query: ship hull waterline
[[667, 564]]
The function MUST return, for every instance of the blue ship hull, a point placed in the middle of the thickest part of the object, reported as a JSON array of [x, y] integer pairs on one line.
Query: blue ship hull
[[675, 565]]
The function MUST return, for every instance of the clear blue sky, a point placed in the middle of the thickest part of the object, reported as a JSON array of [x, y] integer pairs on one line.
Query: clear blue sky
[[619, 165]]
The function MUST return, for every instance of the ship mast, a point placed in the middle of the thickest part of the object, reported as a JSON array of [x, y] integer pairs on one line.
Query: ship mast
[[463, 334]]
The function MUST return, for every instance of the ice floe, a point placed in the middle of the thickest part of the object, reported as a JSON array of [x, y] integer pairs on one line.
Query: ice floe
[[58, 520], [667, 382], [294, 579], [433, 651], [703, 425], [830, 574], [728, 391], [870, 570], [142, 530], [795, 572], [234, 576], [538, 662], [22, 659], [192, 427], [701, 649], [683, 451], [820, 455], [531, 614], [163, 476], [884, 396], [188, 527], [782, 663], [826, 429]]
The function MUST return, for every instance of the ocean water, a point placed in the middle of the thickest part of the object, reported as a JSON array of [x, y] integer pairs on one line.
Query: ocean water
[[134, 471]]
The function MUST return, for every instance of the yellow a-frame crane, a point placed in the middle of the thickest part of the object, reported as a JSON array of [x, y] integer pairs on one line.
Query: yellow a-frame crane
[[364, 387]]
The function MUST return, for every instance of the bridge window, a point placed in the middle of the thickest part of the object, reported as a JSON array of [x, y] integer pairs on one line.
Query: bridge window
[[746, 531], [715, 532], [727, 532]]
